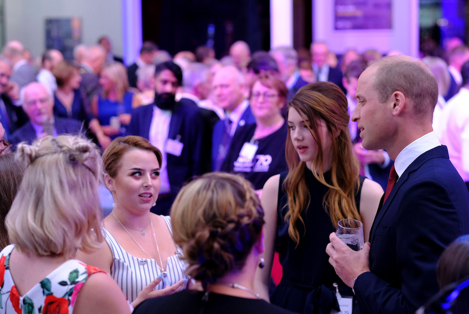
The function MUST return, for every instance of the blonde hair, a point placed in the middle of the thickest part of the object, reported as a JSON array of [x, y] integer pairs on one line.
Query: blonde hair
[[117, 73], [216, 221], [57, 208]]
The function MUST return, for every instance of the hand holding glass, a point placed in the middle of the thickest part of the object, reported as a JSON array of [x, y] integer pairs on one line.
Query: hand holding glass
[[350, 231]]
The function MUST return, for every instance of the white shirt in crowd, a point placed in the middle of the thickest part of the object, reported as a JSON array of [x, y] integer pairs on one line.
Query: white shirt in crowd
[[159, 129], [48, 79]]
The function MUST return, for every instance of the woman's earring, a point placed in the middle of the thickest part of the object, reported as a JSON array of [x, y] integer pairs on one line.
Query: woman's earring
[[261, 263]]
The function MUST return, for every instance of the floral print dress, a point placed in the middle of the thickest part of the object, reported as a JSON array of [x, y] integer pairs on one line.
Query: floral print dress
[[57, 293]]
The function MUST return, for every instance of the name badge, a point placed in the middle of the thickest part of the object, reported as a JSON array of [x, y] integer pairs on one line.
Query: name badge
[[345, 304], [174, 147], [248, 151]]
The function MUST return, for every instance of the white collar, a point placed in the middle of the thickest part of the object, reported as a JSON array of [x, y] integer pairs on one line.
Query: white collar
[[414, 150], [236, 114], [191, 97], [19, 64]]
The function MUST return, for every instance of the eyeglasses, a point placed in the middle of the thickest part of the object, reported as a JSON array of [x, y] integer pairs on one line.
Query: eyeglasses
[[5, 147], [268, 96], [34, 102]]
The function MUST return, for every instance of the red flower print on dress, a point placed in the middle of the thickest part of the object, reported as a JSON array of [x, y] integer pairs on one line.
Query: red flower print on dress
[[2, 270], [15, 299], [54, 305]]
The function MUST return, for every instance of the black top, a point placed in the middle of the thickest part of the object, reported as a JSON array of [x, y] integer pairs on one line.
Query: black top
[[268, 161], [188, 301], [308, 276], [80, 107]]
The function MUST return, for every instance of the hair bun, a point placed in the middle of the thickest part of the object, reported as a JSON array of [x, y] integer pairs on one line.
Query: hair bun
[[26, 153], [80, 151]]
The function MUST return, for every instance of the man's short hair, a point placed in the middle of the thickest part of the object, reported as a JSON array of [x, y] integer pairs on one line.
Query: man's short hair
[[355, 69], [202, 52], [171, 66], [47, 56], [261, 60], [289, 55], [148, 47], [465, 73], [409, 76], [194, 74]]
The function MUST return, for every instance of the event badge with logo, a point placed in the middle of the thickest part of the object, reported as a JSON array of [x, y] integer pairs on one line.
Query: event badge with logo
[[248, 151], [174, 147]]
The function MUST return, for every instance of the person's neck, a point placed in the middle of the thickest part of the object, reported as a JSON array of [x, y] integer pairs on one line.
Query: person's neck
[[405, 136], [112, 95], [130, 220], [326, 165], [265, 127], [233, 108]]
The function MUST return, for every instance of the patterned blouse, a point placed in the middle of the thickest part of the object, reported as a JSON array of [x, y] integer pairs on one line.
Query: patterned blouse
[[57, 293]]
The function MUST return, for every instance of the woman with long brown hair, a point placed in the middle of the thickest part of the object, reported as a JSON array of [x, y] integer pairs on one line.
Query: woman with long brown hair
[[303, 206]]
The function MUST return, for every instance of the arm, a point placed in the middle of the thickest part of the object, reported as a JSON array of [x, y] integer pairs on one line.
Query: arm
[[103, 139], [101, 258], [369, 202], [269, 203], [100, 294]]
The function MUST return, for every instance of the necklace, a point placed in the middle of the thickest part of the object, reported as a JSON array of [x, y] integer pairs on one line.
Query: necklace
[[238, 286], [164, 274], [142, 232]]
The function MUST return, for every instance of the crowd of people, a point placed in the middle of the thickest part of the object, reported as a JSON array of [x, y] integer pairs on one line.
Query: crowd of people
[[229, 178]]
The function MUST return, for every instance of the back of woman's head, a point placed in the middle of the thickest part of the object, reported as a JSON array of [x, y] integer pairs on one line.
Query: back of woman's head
[[216, 219], [316, 102], [11, 174], [453, 264], [57, 207], [113, 154]]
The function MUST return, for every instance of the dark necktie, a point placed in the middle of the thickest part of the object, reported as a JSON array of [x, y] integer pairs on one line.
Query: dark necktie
[[391, 182], [224, 144], [48, 128]]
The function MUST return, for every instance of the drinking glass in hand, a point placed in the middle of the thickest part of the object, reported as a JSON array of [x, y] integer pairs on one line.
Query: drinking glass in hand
[[350, 231]]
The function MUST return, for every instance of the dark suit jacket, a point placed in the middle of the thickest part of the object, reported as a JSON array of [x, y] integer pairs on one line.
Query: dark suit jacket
[[28, 134], [132, 74], [453, 88], [209, 118], [335, 76], [246, 118], [427, 209], [89, 84], [298, 84], [16, 115], [186, 125], [118, 59], [24, 75]]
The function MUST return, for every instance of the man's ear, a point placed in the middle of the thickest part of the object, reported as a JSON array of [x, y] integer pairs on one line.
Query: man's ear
[[399, 103], [109, 183]]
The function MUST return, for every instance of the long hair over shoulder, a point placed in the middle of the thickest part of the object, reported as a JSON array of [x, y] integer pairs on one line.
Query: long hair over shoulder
[[314, 102]]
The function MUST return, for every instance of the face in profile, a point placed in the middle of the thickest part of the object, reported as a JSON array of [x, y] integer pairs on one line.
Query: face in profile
[[75, 80], [302, 139], [265, 102], [137, 183], [105, 81]]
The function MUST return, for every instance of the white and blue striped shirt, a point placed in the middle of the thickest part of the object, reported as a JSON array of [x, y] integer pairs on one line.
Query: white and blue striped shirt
[[133, 274]]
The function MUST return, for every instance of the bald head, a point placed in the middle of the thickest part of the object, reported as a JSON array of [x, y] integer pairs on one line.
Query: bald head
[[228, 88], [240, 53], [37, 103], [95, 57], [14, 51], [51, 58], [409, 76]]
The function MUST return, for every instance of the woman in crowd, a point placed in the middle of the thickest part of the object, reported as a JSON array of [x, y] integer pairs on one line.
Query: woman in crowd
[[257, 150], [145, 85], [11, 174], [55, 212], [140, 246], [69, 102], [114, 105], [303, 205], [217, 221]]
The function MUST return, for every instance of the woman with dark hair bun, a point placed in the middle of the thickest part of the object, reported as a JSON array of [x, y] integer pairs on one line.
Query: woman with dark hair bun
[[217, 221]]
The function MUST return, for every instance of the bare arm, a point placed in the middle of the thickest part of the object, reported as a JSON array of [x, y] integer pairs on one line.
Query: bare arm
[[100, 294], [369, 202], [269, 203]]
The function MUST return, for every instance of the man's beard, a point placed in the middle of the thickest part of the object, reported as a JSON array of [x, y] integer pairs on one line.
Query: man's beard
[[165, 101]]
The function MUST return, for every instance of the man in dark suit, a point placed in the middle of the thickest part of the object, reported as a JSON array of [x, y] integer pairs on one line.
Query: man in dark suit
[[23, 72], [228, 91], [38, 105], [426, 204], [176, 129], [91, 66], [110, 57], [322, 70], [11, 116], [147, 52], [456, 57]]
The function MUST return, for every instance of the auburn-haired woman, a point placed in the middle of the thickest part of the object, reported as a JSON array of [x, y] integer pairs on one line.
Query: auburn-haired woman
[[304, 204]]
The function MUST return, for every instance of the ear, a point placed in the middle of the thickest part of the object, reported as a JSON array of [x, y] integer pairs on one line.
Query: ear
[[399, 103], [109, 183], [260, 243]]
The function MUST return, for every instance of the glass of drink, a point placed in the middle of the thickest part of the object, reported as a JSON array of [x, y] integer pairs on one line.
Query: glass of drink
[[350, 231]]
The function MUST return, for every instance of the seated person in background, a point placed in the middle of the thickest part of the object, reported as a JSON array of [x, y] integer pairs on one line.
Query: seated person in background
[[374, 164], [50, 59], [257, 150], [140, 251], [39, 272], [145, 86], [38, 105], [91, 66], [147, 53], [71, 102], [322, 71], [174, 127], [11, 174], [261, 62], [217, 222], [113, 105]]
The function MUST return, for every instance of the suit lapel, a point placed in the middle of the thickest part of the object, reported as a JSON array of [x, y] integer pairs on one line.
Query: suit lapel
[[146, 123], [175, 123]]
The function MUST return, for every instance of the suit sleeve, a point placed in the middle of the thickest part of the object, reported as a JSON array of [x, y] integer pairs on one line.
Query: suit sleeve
[[196, 129], [427, 222], [133, 128]]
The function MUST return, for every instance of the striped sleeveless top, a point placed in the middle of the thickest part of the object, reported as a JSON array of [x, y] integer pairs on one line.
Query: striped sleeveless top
[[133, 274]]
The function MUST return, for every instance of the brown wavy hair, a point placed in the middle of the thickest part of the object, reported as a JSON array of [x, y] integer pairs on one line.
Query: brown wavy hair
[[217, 219], [322, 101]]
